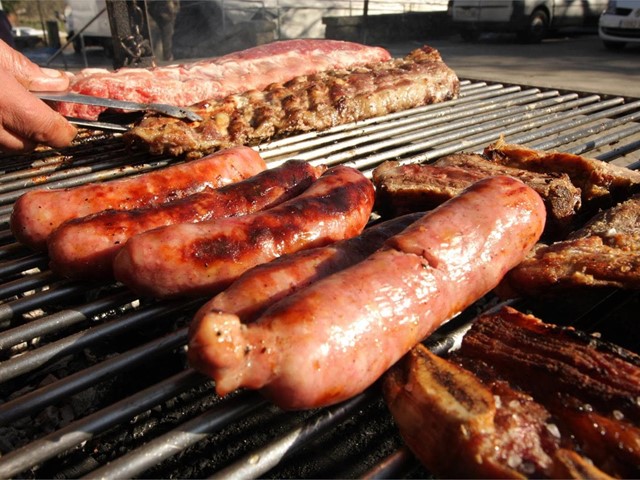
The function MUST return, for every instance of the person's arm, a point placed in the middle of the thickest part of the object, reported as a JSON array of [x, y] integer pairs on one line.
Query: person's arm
[[26, 120]]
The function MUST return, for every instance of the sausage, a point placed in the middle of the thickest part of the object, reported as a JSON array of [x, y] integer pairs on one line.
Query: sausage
[[204, 258], [333, 339], [85, 247], [37, 213], [262, 286]]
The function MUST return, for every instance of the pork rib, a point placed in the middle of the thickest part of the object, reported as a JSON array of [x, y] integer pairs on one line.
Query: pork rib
[[600, 182], [460, 426], [312, 102], [604, 253], [187, 84], [590, 386], [417, 187]]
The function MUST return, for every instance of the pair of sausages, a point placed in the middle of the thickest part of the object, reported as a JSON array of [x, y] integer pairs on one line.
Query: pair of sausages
[[333, 339], [38, 213]]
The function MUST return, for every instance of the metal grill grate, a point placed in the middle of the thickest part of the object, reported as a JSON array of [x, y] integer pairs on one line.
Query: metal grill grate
[[94, 380]]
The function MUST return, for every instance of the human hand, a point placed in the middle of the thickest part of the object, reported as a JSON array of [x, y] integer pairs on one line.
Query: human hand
[[25, 120]]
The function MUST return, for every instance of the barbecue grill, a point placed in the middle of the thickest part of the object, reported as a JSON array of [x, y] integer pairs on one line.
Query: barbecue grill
[[94, 380]]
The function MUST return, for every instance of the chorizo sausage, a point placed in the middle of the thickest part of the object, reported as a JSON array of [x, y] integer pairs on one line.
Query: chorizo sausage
[[85, 247], [333, 339], [262, 286], [37, 213], [204, 258]]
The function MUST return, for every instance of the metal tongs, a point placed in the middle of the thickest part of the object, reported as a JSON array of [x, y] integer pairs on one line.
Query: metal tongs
[[168, 110]]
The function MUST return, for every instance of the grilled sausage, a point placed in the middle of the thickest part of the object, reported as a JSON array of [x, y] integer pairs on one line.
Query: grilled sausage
[[85, 247], [333, 339], [204, 258], [37, 213], [262, 286]]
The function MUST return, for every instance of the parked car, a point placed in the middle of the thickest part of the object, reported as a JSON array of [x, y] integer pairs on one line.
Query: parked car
[[620, 24], [530, 20]]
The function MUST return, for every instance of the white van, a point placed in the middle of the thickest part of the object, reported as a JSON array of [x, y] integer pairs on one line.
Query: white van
[[531, 20], [85, 14]]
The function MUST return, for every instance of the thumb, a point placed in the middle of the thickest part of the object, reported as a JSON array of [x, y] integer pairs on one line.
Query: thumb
[[28, 74]]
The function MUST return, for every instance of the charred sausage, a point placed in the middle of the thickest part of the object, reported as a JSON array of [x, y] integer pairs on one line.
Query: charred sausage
[[333, 339], [204, 258], [262, 286], [85, 247], [37, 213]]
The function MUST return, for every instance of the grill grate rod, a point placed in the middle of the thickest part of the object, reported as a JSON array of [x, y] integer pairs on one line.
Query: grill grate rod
[[55, 293], [490, 133], [179, 439], [399, 146], [595, 129], [413, 128], [12, 250], [25, 283], [396, 465], [438, 114], [259, 462], [35, 359], [86, 428], [43, 396], [61, 320], [478, 134], [605, 140]]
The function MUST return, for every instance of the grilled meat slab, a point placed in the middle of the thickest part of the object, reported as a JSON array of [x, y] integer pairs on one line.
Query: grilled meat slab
[[604, 253], [413, 187], [186, 84], [591, 387], [417, 187], [459, 426], [599, 182], [311, 102]]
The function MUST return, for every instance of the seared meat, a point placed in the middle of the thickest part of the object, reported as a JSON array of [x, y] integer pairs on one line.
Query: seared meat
[[313, 102], [591, 387], [406, 188], [561, 198], [460, 426], [417, 187], [186, 84], [599, 181], [604, 253]]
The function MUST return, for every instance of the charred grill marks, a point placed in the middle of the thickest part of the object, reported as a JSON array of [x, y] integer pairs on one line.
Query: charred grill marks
[[317, 102]]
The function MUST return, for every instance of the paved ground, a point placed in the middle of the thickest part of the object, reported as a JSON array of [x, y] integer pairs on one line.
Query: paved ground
[[576, 62]]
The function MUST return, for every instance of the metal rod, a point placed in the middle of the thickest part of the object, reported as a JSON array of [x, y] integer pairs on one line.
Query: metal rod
[[86, 428]]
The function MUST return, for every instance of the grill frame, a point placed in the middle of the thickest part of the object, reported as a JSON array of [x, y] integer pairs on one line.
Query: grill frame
[[45, 321]]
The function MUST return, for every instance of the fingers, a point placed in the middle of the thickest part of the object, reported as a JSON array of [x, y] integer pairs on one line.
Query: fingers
[[25, 120], [28, 74]]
